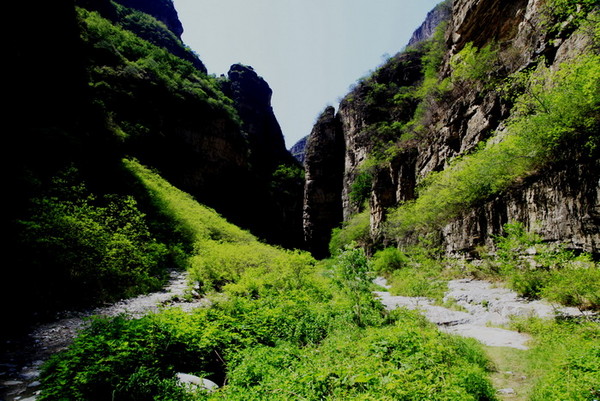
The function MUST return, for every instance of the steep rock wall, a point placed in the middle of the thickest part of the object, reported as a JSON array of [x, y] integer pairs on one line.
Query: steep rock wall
[[562, 205], [275, 208], [560, 202], [323, 186]]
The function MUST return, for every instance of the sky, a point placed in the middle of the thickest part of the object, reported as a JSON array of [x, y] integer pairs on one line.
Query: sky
[[310, 52]]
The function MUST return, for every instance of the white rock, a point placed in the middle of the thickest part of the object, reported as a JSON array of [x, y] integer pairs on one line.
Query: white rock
[[187, 379]]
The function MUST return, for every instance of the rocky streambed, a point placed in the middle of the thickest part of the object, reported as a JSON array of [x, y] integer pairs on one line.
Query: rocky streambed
[[20, 365]]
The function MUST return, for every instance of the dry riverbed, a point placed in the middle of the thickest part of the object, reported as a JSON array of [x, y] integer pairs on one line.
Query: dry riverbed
[[482, 311]]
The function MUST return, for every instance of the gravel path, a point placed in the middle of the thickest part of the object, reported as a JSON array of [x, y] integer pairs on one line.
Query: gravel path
[[485, 307], [20, 369]]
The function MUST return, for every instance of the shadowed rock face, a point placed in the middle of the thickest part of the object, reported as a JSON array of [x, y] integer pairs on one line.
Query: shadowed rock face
[[276, 209], [252, 98], [323, 187]]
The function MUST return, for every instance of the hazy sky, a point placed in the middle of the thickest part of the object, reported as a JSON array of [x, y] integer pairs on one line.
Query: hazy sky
[[309, 51]]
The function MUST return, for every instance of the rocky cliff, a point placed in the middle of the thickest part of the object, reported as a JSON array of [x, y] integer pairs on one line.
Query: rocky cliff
[[298, 150], [274, 208], [324, 180], [434, 18], [384, 140], [130, 87]]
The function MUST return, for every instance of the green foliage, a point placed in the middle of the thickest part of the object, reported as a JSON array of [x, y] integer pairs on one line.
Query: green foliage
[[557, 107], [366, 364], [562, 16], [538, 270], [418, 282], [221, 252], [284, 327], [88, 248], [565, 359], [260, 347], [130, 77], [361, 188], [577, 284], [356, 230], [435, 49], [351, 272], [388, 260], [475, 65], [195, 222], [288, 172], [423, 274]]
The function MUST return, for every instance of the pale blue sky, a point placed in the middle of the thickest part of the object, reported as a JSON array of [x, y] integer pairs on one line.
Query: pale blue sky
[[309, 51]]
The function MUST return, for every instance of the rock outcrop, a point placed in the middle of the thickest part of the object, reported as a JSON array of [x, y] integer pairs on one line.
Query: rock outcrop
[[298, 150], [323, 187], [251, 95], [275, 207], [561, 204], [436, 16]]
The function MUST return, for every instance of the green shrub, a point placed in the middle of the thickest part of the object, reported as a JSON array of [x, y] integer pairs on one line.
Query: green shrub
[[389, 260], [356, 230], [409, 360], [564, 360], [577, 284], [361, 189], [93, 249], [416, 282], [473, 65], [538, 270], [351, 272]]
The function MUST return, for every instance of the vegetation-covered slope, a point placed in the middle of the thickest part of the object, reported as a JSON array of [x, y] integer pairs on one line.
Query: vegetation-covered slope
[[117, 80], [281, 327]]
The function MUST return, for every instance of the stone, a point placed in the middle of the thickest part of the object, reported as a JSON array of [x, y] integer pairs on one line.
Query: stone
[[195, 381], [324, 180]]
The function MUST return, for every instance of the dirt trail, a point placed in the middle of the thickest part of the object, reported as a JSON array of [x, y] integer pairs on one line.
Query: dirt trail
[[20, 367]]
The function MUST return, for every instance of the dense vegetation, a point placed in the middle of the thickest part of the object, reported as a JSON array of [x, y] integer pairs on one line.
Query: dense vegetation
[[92, 226], [281, 326], [82, 249], [79, 231]]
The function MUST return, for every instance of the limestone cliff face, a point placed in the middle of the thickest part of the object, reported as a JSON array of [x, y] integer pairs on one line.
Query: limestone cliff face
[[561, 203], [436, 16]]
